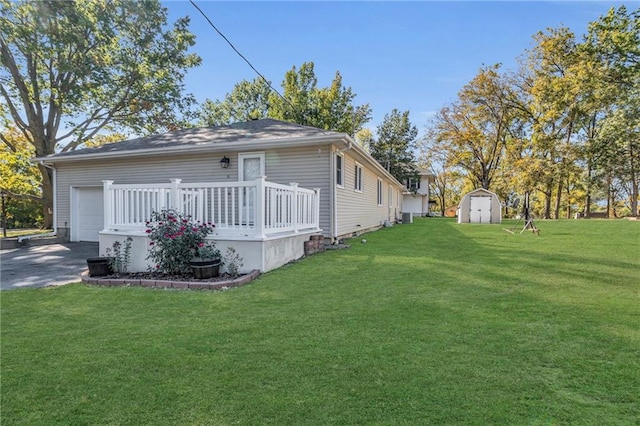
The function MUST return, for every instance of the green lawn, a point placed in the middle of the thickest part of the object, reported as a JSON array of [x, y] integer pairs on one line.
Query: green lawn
[[429, 323]]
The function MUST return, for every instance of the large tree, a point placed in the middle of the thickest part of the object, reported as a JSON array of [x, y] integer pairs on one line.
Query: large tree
[[395, 145], [75, 68], [248, 100], [477, 127], [329, 108], [302, 102], [613, 42], [19, 181]]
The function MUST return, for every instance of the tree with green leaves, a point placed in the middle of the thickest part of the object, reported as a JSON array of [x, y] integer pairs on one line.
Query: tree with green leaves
[[613, 42], [19, 181], [477, 127], [395, 145], [247, 101], [302, 102], [448, 181], [73, 69]]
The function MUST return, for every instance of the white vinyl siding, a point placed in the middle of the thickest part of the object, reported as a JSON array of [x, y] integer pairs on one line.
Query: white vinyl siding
[[308, 166], [359, 211]]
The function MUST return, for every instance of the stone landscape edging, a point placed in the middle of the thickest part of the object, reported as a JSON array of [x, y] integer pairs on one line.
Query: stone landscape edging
[[183, 285]]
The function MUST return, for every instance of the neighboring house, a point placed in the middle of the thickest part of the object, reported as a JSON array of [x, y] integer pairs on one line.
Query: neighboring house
[[416, 198], [480, 206], [237, 176]]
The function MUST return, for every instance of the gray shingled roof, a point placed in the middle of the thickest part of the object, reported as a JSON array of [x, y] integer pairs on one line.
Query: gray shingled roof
[[266, 129]]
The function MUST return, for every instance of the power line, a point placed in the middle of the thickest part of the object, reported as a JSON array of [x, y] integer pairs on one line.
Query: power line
[[241, 55]]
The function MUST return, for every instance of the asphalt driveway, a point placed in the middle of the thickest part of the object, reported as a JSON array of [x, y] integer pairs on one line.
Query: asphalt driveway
[[41, 266]]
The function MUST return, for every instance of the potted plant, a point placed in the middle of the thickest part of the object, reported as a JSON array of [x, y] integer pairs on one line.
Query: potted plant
[[99, 266], [206, 263]]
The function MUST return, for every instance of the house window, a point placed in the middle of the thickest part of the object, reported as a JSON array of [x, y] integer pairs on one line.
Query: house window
[[339, 170], [358, 178], [379, 192], [413, 185], [390, 196]]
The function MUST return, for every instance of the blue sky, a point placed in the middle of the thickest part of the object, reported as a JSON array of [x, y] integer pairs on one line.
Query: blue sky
[[408, 55]]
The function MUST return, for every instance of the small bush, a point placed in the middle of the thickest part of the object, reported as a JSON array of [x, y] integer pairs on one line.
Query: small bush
[[233, 261]]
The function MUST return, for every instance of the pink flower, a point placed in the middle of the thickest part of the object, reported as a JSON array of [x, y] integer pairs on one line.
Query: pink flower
[[200, 244], [148, 231], [151, 243]]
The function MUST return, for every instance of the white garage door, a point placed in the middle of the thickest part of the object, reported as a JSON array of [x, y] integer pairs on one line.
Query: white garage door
[[90, 215], [480, 210]]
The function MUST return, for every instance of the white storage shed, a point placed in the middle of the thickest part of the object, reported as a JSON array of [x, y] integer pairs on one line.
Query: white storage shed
[[480, 206]]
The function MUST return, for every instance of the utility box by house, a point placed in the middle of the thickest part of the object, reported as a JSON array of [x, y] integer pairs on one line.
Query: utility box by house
[[480, 206], [407, 217]]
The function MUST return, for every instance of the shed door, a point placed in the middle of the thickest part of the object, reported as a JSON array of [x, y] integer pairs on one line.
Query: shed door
[[480, 210], [89, 214]]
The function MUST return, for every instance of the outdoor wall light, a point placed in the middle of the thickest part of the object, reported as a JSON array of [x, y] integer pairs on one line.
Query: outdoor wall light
[[224, 163]]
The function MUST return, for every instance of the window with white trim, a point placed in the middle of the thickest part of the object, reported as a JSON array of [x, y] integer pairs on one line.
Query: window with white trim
[[390, 195], [358, 178], [340, 170], [379, 192]]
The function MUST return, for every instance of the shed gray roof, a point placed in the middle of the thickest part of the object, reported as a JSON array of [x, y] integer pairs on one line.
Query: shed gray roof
[[256, 130]]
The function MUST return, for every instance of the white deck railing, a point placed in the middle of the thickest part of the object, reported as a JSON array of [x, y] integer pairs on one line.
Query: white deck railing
[[255, 208]]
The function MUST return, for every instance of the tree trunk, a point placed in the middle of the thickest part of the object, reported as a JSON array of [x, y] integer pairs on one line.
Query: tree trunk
[[634, 182], [634, 198], [587, 200], [47, 196], [556, 209], [609, 197], [547, 202]]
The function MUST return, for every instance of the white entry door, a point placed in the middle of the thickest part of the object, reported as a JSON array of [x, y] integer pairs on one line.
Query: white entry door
[[480, 210], [250, 168], [87, 214]]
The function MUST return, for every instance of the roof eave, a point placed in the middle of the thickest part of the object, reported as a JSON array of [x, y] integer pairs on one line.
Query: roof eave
[[348, 139], [252, 144]]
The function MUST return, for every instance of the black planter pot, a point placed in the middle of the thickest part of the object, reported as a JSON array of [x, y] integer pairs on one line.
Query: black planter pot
[[203, 269], [99, 266]]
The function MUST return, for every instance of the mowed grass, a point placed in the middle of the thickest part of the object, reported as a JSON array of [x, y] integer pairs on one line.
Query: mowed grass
[[429, 323]]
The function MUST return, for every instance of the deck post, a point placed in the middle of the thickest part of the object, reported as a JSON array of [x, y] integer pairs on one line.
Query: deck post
[[260, 206], [317, 212], [175, 195], [294, 206], [108, 204]]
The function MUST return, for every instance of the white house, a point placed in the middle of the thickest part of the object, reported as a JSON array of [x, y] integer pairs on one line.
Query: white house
[[266, 184], [480, 206], [416, 199]]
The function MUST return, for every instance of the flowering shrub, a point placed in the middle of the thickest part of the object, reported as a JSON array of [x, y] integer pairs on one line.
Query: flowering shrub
[[175, 240]]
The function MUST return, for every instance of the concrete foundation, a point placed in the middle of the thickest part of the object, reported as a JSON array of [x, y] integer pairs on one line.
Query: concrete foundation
[[257, 254]]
